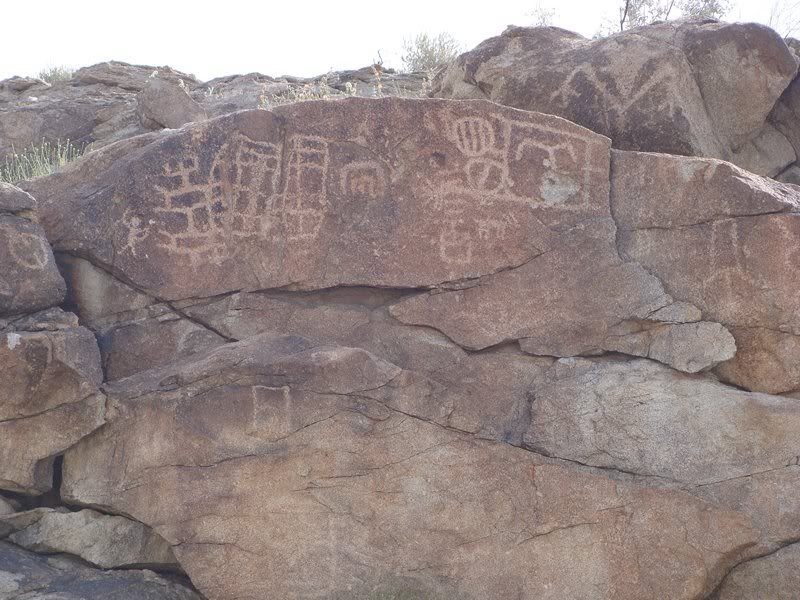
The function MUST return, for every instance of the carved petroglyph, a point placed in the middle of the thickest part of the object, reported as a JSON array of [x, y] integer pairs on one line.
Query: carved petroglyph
[[205, 207], [29, 250], [506, 165], [305, 200], [363, 180]]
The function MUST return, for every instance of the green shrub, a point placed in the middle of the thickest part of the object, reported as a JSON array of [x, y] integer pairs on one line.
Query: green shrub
[[426, 53], [54, 74], [38, 160]]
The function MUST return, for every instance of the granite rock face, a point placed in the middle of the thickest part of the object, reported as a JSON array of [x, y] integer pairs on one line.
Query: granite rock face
[[497, 201]]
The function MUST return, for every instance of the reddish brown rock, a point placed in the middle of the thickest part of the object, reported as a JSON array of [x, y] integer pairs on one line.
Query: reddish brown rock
[[487, 394], [198, 212], [688, 87], [733, 254], [29, 278], [642, 417], [279, 436]]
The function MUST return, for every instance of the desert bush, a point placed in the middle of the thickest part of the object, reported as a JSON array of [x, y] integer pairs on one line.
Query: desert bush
[[426, 53], [320, 90], [38, 160], [54, 74]]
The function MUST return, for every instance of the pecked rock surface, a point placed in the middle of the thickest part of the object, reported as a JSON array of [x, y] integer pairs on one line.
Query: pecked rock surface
[[286, 458], [733, 254], [497, 201], [699, 88], [29, 278]]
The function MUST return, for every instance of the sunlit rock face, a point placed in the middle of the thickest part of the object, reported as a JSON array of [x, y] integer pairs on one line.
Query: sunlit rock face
[[407, 348]]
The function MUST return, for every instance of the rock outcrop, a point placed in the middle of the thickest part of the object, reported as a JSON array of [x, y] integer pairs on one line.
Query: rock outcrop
[[733, 254], [401, 348], [111, 101], [494, 213], [697, 88], [281, 457]]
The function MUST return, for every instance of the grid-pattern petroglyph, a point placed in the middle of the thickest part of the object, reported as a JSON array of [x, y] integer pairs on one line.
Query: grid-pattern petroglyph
[[363, 180], [507, 162], [204, 210]]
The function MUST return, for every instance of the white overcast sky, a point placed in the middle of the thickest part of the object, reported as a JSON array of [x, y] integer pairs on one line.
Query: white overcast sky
[[294, 37]]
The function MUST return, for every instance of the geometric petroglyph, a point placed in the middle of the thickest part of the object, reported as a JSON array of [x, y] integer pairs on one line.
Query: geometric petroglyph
[[205, 210], [551, 159], [363, 180], [303, 204], [27, 249], [506, 162]]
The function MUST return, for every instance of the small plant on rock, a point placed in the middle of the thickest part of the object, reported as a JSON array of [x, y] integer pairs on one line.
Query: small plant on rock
[[426, 53], [54, 74], [39, 160]]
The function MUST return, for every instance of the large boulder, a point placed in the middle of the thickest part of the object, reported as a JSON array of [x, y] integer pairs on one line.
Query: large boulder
[[164, 103], [289, 460], [726, 241], [689, 87], [510, 210]]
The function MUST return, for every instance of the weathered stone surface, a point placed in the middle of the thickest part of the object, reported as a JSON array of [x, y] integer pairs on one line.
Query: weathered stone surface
[[688, 87], [687, 347], [164, 103], [6, 507], [106, 541], [13, 200], [768, 154], [734, 254], [775, 576], [50, 400], [769, 498], [486, 394], [29, 277], [134, 331], [278, 435], [641, 417], [118, 74], [509, 209], [568, 301], [28, 576]]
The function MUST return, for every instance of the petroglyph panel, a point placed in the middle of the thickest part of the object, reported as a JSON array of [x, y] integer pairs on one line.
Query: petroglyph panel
[[394, 193], [508, 165]]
